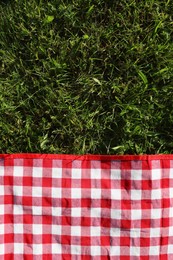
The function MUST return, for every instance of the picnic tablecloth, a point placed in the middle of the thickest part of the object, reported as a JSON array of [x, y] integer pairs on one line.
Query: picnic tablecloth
[[86, 207]]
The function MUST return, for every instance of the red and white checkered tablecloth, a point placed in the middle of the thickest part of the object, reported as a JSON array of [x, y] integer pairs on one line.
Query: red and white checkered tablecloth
[[86, 207]]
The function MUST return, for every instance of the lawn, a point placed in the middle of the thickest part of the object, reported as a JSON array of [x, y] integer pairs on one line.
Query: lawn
[[86, 76]]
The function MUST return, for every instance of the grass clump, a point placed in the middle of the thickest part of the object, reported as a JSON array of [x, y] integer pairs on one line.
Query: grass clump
[[86, 76]]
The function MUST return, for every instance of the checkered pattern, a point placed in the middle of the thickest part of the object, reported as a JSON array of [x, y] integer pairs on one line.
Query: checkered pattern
[[86, 207]]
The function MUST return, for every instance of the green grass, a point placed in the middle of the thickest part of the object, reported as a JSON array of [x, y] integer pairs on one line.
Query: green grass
[[86, 76]]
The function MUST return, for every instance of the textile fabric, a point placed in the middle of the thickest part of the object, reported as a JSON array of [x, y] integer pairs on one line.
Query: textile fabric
[[86, 207]]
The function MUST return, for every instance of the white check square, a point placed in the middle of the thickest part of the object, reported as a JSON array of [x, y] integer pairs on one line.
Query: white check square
[[134, 251], [95, 212], [76, 173], [56, 249], [115, 194], [96, 174], [136, 194], [37, 192], [56, 211], [76, 250], [171, 193], [95, 231], [115, 214], [56, 230], [76, 193], [76, 212], [37, 229], [136, 175], [2, 210], [156, 213], [37, 210], [18, 190], [171, 231], [18, 171], [115, 251], [2, 229], [135, 232], [170, 212], [96, 193], [57, 173], [115, 174], [37, 249], [2, 249], [2, 191], [95, 251], [56, 193], [1, 170], [154, 250], [17, 209], [37, 172], [155, 232], [115, 232], [18, 228], [156, 194], [171, 173], [170, 249], [18, 248], [75, 231], [156, 174], [136, 214]]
